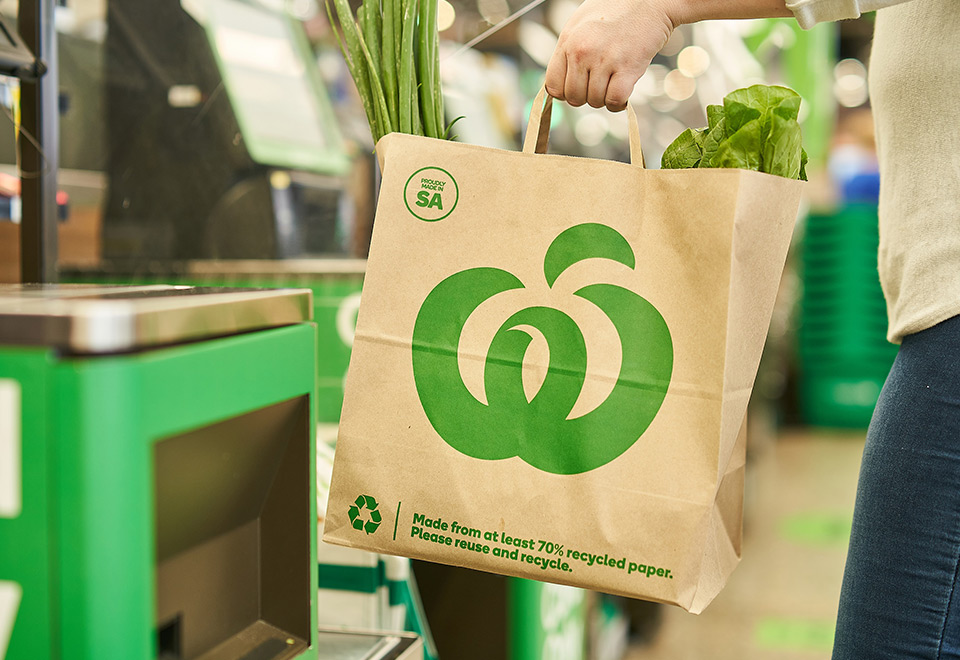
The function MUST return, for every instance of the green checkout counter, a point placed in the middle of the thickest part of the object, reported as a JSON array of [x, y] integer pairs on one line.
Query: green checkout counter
[[158, 477]]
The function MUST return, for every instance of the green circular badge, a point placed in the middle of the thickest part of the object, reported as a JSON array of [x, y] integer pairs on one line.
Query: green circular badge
[[431, 194]]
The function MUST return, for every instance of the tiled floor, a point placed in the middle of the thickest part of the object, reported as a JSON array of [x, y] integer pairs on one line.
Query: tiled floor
[[781, 602]]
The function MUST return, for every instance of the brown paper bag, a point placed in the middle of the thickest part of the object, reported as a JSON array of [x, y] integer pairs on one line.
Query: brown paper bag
[[552, 365]]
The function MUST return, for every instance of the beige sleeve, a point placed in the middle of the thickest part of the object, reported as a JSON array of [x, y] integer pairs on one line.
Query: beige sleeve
[[811, 12]]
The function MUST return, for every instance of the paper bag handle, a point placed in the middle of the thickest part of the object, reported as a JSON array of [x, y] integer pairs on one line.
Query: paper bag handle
[[538, 128]]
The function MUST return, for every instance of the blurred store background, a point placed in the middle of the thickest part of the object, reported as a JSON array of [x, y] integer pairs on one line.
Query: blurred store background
[[223, 142]]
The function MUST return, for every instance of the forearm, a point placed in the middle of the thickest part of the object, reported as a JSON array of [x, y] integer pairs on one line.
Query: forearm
[[691, 11], [606, 45]]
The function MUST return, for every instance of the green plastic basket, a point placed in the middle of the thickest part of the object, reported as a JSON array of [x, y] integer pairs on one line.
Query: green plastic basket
[[842, 346]]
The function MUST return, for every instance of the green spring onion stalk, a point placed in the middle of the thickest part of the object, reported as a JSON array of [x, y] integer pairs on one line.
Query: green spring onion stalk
[[417, 117], [425, 69], [390, 49], [446, 133], [407, 104], [397, 27], [376, 130], [372, 33], [372, 27], [392, 52], [350, 47], [437, 89], [376, 88]]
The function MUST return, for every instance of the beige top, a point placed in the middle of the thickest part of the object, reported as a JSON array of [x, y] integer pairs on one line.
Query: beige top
[[915, 92]]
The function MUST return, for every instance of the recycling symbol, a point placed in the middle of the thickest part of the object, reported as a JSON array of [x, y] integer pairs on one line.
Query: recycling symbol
[[373, 520], [540, 430]]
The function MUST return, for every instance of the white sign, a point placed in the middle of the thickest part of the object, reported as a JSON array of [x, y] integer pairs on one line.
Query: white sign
[[11, 498], [10, 593]]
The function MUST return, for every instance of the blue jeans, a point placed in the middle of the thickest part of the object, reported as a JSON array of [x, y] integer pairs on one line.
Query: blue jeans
[[900, 599]]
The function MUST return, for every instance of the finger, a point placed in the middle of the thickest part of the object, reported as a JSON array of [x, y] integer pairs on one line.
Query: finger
[[575, 84], [597, 88], [619, 90], [556, 72]]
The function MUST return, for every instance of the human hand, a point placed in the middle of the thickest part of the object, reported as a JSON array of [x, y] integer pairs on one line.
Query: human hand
[[604, 49]]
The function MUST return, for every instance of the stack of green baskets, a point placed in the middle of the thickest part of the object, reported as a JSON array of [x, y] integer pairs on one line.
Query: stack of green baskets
[[844, 354]]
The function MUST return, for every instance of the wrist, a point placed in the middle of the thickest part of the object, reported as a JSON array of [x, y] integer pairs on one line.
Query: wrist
[[682, 12]]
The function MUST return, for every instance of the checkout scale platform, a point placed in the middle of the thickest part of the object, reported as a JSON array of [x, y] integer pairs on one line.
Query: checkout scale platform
[[158, 477]]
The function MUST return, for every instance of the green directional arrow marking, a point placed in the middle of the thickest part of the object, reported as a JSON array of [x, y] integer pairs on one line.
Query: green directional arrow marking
[[794, 634]]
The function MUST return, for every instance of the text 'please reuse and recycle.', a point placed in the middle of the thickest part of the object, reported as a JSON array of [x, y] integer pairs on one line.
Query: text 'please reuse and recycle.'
[[524, 549]]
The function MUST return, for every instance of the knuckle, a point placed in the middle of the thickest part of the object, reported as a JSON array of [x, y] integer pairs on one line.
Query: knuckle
[[616, 103], [581, 52]]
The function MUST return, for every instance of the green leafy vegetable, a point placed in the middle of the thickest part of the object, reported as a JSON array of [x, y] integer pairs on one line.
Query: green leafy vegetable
[[716, 135], [742, 149], [788, 108], [781, 150], [738, 114], [756, 128], [686, 152], [714, 116], [761, 96]]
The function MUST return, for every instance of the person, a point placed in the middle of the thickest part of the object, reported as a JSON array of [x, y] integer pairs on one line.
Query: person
[[899, 596]]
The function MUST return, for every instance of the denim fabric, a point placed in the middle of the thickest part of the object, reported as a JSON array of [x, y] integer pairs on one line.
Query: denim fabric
[[899, 599]]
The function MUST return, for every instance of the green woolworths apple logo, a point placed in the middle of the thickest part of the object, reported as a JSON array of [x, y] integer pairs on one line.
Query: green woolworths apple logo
[[539, 431]]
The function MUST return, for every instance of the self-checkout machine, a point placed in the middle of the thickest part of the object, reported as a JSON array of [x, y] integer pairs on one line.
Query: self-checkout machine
[[157, 474], [358, 591], [220, 139]]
